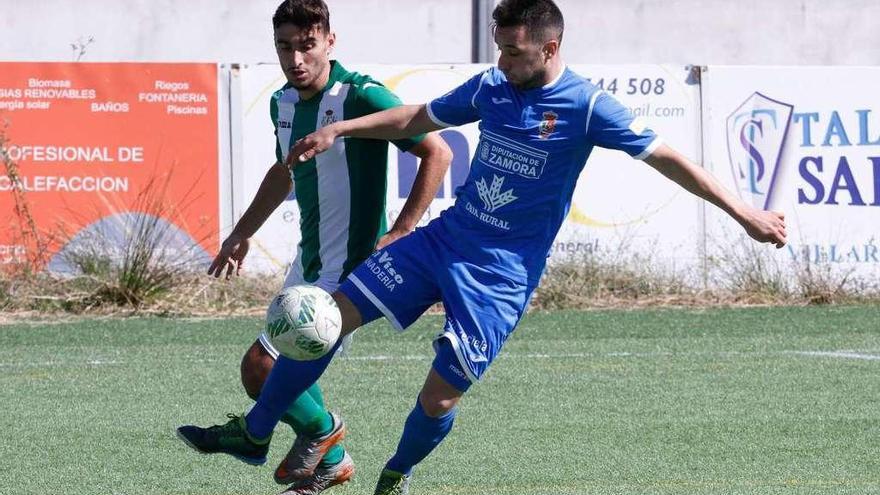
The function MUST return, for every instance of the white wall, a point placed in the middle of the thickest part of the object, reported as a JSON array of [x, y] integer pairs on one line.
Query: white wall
[[786, 32], [377, 31], [733, 32]]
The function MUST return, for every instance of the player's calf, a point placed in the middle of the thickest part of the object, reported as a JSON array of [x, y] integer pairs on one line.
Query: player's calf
[[256, 364]]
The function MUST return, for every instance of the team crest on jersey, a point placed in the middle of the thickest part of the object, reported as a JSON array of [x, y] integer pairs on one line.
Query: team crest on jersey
[[548, 125], [329, 118]]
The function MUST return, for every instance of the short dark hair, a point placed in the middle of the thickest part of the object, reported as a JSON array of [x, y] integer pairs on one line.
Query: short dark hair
[[542, 18], [303, 14]]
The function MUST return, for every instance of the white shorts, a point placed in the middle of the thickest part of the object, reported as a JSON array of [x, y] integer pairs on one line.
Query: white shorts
[[294, 277]]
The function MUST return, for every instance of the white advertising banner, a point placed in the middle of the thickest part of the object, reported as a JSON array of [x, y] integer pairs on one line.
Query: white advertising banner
[[622, 207], [619, 204], [804, 141]]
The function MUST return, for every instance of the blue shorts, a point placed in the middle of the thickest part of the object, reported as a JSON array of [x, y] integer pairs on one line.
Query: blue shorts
[[406, 278]]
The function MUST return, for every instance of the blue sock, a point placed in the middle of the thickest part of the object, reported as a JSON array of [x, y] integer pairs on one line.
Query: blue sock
[[284, 384], [421, 435]]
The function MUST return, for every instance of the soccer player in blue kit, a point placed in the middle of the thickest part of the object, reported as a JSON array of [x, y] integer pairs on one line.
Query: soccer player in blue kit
[[483, 257]]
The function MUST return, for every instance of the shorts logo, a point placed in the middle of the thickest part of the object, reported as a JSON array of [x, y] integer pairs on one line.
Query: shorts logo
[[511, 157], [473, 347], [548, 125], [457, 371], [381, 265], [329, 118], [492, 196], [284, 124]]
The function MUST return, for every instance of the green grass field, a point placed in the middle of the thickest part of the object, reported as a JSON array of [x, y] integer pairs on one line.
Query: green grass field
[[721, 401]]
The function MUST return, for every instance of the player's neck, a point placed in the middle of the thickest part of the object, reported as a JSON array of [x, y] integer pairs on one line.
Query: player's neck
[[318, 86], [553, 71], [550, 75]]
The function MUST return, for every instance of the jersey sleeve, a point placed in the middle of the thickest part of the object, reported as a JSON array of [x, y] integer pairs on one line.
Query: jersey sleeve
[[273, 114], [610, 125], [459, 106], [376, 98]]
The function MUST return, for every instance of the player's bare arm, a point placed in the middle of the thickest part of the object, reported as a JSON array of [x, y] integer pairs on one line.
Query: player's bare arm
[[435, 157], [274, 188], [761, 225], [395, 123]]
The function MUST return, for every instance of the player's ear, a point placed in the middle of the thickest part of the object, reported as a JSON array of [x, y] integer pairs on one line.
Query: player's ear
[[550, 49], [331, 42]]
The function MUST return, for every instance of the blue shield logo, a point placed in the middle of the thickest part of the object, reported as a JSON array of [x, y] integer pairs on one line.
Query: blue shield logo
[[756, 133]]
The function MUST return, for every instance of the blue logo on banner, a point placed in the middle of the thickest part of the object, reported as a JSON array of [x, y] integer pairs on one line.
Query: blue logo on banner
[[756, 133]]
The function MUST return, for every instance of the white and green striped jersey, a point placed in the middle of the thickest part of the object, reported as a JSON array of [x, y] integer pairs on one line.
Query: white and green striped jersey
[[341, 192]]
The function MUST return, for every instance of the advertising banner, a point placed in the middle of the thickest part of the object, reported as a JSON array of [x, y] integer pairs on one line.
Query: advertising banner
[[804, 141], [623, 207], [97, 150], [620, 204]]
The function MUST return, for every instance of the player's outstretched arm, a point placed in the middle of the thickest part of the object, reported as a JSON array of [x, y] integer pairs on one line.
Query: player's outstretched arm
[[435, 158], [395, 123], [274, 188], [761, 225]]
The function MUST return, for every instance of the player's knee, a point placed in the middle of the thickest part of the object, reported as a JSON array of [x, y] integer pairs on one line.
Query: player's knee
[[438, 396], [351, 317], [436, 404], [255, 367]]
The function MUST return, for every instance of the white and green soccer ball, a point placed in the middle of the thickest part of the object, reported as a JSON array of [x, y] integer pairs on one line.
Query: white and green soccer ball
[[303, 322]]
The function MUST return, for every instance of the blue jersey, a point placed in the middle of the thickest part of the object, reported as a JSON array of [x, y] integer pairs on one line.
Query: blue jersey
[[533, 145]]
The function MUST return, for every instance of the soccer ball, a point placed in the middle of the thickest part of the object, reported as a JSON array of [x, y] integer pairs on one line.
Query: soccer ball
[[303, 322]]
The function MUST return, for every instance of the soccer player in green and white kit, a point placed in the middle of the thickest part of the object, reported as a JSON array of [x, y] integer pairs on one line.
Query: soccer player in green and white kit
[[341, 196]]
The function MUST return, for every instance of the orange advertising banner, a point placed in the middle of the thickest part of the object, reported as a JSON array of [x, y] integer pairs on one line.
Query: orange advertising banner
[[101, 152]]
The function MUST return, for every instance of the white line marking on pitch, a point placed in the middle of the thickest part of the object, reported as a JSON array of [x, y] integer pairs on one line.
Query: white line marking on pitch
[[843, 354], [88, 362], [840, 354], [380, 357]]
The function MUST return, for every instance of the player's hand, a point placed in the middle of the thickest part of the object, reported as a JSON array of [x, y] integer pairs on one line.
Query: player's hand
[[766, 226], [231, 257], [389, 237], [306, 148]]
